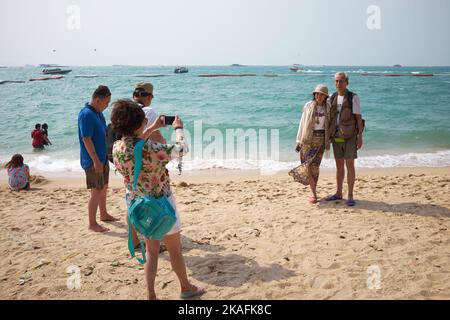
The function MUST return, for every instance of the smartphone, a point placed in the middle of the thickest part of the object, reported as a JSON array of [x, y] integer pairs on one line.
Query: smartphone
[[168, 120]]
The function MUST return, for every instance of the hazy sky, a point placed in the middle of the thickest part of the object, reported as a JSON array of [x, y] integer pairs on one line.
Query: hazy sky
[[213, 32]]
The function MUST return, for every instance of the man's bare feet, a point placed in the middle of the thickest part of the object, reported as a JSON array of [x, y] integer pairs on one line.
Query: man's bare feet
[[152, 297], [108, 218], [98, 228]]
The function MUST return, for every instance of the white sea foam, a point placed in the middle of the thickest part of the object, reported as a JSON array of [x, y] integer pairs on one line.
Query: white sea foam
[[55, 165], [310, 71], [437, 159]]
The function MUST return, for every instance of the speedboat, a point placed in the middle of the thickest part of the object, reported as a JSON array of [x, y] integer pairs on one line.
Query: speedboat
[[55, 71], [296, 68], [181, 70]]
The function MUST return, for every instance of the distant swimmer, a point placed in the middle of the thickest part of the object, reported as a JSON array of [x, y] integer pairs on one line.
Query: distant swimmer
[[44, 131], [37, 138]]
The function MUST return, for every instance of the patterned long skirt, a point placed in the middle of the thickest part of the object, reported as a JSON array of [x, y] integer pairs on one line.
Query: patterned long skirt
[[310, 158]]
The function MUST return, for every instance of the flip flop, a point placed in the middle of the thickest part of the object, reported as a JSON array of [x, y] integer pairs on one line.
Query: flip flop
[[192, 293], [350, 202], [333, 198]]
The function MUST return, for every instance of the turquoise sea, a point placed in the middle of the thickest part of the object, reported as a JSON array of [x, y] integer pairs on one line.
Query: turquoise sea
[[407, 118]]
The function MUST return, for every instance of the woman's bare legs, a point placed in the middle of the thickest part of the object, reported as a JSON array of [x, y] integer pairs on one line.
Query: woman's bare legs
[[151, 266], [312, 185], [173, 244]]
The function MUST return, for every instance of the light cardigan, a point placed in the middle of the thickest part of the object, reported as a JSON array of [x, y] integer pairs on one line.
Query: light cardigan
[[306, 125]]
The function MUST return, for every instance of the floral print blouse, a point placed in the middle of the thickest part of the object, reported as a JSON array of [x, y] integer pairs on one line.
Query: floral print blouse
[[18, 177], [154, 177]]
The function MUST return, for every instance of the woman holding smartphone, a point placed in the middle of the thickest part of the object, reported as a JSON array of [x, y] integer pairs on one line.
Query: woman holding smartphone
[[128, 119]]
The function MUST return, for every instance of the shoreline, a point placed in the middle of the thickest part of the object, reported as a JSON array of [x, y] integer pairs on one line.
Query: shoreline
[[77, 179]]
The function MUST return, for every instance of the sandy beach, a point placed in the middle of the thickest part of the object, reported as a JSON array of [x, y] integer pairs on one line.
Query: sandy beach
[[244, 237]]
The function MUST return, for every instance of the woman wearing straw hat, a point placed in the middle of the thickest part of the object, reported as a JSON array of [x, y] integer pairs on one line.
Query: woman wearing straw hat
[[313, 138]]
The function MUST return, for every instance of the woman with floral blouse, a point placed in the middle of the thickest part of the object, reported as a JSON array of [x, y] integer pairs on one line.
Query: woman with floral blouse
[[129, 120]]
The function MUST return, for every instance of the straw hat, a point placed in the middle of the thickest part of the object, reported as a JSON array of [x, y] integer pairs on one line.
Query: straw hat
[[321, 88]]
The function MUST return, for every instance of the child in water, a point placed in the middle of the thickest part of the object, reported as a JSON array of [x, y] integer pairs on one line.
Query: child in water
[[44, 131]]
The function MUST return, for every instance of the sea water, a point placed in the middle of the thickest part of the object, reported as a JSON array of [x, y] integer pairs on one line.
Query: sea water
[[407, 118]]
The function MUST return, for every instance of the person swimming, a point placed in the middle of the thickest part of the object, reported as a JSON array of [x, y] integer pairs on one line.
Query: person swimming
[[38, 137], [44, 130]]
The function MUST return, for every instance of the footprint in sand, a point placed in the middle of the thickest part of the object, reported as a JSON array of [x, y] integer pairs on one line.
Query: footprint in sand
[[321, 282], [42, 291], [438, 277]]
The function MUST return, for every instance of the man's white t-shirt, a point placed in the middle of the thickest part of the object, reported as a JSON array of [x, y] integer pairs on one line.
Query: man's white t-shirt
[[150, 114], [356, 106]]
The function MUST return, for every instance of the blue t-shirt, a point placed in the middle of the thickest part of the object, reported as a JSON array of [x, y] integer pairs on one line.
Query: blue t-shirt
[[91, 124]]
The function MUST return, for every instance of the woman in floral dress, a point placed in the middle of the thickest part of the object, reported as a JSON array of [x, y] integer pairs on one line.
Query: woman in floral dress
[[129, 120]]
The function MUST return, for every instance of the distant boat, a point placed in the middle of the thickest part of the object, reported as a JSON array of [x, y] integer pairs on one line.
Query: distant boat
[[181, 70], [55, 71], [397, 66], [46, 78], [236, 65], [296, 67]]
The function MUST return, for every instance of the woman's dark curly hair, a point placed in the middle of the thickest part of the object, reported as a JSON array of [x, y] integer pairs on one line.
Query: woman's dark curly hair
[[126, 117]]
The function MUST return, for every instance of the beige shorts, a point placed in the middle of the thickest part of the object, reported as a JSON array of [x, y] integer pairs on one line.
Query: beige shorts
[[345, 150], [97, 180]]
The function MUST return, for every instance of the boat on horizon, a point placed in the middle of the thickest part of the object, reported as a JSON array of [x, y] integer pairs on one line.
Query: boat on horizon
[[181, 70], [296, 68], [55, 71]]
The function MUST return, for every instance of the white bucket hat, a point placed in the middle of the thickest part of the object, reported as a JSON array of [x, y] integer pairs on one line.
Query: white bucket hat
[[321, 88]]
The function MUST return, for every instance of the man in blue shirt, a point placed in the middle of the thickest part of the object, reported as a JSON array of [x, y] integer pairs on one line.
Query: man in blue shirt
[[92, 136]]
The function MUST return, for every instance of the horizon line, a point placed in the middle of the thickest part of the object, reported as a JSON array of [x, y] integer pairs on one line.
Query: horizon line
[[218, 65]]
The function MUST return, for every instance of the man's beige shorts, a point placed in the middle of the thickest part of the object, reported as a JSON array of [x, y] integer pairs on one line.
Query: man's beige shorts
[[345, 150]]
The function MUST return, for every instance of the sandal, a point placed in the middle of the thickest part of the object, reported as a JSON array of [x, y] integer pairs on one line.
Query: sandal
[[196, 292], [350, 202], [333, 198]]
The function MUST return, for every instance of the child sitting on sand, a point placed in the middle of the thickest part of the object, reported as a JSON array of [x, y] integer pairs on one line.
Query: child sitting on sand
[[18, 173]]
